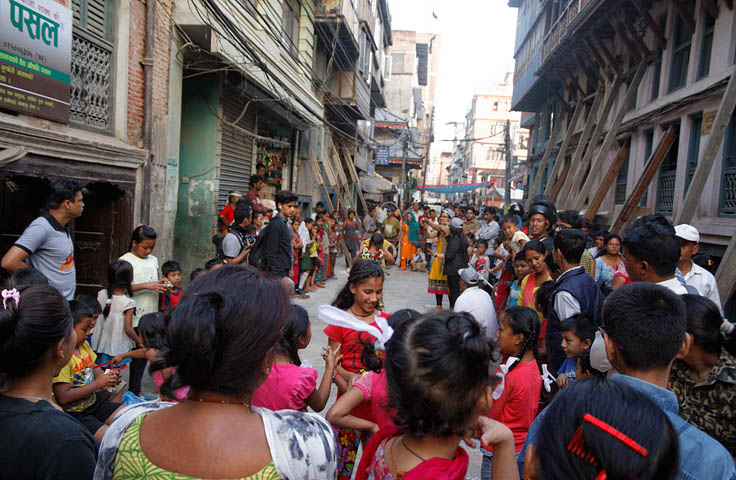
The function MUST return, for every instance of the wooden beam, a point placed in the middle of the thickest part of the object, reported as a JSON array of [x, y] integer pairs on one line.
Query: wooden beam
[[653, 164], [684, 15], [556, 94], [337, 163], [637, 39], [589, 72], [594, 139], [601, 63], [621, 31], [11, 154], [658, 35], [712, 8], [712, 147], [726, 273], [590, 124], [597, 165], [561, 180], [543, 163], [356, 179], [560, 160], [608, 55], [606, 183]]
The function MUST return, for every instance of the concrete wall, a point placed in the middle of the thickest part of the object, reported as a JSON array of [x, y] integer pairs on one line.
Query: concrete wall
[[197, 195]]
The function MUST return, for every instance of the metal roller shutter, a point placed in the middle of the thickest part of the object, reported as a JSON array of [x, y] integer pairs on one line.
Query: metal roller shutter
[[236, 151]]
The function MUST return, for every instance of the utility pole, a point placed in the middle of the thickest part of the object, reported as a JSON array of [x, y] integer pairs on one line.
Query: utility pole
[[402, 200], [426, 153], [507, 176]]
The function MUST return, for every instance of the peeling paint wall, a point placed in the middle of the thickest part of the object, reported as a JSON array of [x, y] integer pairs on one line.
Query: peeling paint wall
[[196, 213]]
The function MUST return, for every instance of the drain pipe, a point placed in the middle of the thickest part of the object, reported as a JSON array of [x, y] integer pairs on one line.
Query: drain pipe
[[148, 111]]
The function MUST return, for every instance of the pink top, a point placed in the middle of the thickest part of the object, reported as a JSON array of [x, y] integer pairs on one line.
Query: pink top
[[158, 380], [375, 390], [286, 388], [519, 401]]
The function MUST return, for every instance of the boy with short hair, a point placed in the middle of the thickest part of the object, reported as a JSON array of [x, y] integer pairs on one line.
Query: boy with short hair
[[169, 298], [419, 261], [578, 332], [694, 274], [511, 232], [76, 384]]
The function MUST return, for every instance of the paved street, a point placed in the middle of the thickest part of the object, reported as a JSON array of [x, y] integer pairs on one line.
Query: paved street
[[402, 289]]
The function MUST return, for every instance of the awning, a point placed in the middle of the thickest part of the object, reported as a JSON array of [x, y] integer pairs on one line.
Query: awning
[[455, 188], [375, 184]]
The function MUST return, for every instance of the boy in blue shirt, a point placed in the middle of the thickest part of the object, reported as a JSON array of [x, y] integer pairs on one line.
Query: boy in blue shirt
[[578, 332]]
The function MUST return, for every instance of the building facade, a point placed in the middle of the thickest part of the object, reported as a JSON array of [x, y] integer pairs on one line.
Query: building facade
[[613, 86]]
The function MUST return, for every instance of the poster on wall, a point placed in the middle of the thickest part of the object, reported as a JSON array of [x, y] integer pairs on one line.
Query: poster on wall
[[382, 155], [35, 58]]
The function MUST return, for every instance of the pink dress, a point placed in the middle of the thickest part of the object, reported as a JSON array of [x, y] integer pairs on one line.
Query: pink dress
[[158, 380], [375, 390], [286, 388]]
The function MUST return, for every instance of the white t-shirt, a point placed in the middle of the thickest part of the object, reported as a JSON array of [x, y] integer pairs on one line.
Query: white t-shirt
[[144, 270]]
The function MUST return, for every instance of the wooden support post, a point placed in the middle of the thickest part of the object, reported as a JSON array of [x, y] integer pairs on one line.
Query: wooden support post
[[621, 31], [560, 160], [609, 56], [608, 180], [712, 146], [589, 73], [569, 192], [637, 39], [562, 186], [561, 180], [712, 8], [655, 160], [555, 93], [356, 180], [726, 273], [337, 163], [597, 165], [599, 59], [729, 4], [685, 15], [543, 163], [318, 175], [661, 39]]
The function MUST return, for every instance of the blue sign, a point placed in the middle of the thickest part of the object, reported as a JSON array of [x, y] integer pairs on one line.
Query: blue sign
[[382, 156]]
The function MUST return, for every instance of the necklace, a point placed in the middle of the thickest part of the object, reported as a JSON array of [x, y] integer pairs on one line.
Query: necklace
[[403, 442], [359, 315], [223, 402]]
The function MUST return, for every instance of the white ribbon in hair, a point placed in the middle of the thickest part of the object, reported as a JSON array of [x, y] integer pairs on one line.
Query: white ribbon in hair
[[498, 391], [727, 327], [547, 378], [340, 318]]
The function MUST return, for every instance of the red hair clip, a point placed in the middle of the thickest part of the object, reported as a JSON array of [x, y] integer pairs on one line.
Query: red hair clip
[[622, 437]]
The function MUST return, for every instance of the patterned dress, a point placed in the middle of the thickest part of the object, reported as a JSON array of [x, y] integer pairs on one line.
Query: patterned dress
[[437, 278]]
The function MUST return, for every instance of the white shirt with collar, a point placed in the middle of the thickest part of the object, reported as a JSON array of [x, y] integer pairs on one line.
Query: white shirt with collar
[[704, 281], [478, 303], [598, 358], [566, 305]]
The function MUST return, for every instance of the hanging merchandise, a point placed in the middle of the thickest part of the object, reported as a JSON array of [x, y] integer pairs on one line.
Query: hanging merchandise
[[455, 188]]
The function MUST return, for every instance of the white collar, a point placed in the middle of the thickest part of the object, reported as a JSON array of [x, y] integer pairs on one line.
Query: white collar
[[674, 285]]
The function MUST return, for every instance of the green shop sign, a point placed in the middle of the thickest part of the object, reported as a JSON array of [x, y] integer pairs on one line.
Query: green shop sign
[[35, 58]]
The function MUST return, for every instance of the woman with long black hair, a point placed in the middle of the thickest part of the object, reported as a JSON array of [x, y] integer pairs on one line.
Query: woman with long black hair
[[456, 257]]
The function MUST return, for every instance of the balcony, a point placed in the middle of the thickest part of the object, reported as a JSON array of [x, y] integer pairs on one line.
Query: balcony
[[350, 94], [338, 17], [559, 29], [572, 18]]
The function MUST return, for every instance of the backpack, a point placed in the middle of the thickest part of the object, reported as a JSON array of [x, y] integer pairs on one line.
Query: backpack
[[219, 241], [257, 257]]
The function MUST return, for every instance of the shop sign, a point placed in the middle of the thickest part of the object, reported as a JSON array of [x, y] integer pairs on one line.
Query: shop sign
[[35, 58], [382, 156]]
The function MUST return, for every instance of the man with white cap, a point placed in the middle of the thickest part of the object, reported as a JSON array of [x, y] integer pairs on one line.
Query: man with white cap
[[477, 302], [694, 274]]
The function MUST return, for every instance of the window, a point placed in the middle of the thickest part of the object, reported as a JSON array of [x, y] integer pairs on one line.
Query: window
[[667, 174], [364, 62], [681, 50], [693, 149], [290, 12], [387, 67], [621, 179], [649, 146], [706, 45], [727, 203], [657, 65]]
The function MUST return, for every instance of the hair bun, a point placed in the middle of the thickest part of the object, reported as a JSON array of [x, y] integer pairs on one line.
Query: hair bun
[[9, 314]]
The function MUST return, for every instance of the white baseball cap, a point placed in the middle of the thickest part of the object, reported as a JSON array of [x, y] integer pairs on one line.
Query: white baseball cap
[[687, 232], [456, 222], [469, 275]]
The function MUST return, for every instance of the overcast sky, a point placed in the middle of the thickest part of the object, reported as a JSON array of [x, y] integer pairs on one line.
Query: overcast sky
[[478, 47]]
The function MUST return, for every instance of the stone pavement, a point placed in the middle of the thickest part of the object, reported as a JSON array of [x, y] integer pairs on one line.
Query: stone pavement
[[402, 289]]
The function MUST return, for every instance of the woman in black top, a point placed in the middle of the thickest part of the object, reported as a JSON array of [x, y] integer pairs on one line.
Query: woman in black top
[[456, 257], [39, 440]]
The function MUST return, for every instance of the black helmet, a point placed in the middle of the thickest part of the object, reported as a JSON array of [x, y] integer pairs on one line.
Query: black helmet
[[516, 209], [548, 211]]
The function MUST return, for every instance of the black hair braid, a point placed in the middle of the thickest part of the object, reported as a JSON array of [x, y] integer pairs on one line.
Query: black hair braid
[[361, 271], [532, 336]]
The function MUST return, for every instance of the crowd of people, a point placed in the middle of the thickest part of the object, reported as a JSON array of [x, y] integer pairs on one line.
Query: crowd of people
[[566, 352]]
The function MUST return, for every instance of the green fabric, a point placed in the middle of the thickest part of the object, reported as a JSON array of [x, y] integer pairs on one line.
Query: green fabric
[[132, 464], [413, 229]]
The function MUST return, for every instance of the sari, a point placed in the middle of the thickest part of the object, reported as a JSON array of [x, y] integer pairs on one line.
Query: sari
[[437, 279]]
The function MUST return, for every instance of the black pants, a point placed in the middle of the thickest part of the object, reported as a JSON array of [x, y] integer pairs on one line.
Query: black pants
[[137, 369], [438, 299], [454, 283]]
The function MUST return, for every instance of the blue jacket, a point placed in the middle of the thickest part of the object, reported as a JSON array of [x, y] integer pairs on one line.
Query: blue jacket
[[701, 456], [589, 296]]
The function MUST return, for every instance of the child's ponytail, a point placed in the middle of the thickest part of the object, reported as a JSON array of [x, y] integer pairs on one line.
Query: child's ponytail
[[525, 321], [119, 275], [362, 270], [373, 359]]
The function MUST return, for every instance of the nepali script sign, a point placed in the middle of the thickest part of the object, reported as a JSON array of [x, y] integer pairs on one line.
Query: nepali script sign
[[35, 58]]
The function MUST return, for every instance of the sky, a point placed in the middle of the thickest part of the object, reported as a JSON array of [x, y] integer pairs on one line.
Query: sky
[[477, 47]]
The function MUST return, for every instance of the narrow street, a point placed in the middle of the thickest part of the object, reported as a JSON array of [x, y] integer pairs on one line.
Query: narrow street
[[402, 289]]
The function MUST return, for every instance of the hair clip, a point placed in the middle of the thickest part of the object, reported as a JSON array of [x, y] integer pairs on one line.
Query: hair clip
[[505, 367], [10, 294], [547, 378], [622, 437]]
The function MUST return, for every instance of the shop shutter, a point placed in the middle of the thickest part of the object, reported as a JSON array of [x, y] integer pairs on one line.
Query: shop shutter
[[236, 153]]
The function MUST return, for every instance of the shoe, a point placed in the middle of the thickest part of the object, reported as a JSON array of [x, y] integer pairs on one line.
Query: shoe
[[302, 296]]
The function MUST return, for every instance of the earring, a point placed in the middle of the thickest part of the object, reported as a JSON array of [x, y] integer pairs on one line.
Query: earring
[[268, 370]]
